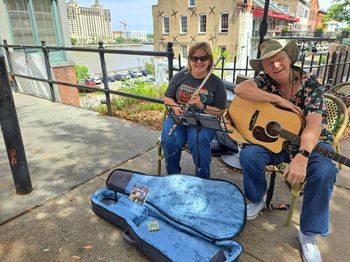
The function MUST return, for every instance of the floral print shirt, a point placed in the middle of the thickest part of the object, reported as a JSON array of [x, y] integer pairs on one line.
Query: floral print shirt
[[309, 97]]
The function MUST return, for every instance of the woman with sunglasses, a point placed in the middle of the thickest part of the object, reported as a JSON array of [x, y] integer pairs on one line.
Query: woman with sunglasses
[[211, 99]]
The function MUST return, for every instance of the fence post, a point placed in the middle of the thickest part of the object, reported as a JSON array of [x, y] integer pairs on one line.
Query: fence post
[[170, 56], [12, 134], [105, 77], [9, 61], [331, 68], [48, 69]]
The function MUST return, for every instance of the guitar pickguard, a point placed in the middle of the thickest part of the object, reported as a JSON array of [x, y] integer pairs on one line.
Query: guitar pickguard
[[259, 134]]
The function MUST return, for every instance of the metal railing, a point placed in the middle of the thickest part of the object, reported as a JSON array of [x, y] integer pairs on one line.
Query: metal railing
[[331, 69], [169, 54]]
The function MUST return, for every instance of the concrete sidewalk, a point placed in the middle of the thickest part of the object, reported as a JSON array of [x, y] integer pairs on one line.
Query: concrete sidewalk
[[70, 152]]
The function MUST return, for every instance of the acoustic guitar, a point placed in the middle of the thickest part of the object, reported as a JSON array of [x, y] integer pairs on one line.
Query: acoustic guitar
[[263, 124]]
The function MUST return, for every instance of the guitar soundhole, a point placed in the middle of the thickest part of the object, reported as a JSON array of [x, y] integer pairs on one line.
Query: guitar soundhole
[[273, 129]]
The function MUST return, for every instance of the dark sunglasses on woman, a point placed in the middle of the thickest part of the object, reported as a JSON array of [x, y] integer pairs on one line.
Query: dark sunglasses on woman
[[201, 58]]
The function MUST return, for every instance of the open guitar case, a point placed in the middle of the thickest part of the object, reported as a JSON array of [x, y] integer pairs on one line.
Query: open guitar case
[[196, 218]]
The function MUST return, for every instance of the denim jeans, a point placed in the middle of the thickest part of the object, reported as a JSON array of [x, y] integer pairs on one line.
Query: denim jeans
[[173, 144], [320, 179]]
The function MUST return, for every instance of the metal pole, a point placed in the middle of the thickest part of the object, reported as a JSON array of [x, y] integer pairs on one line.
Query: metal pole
[[9, 61], [170, 56], [263, 26], [12, 134], [105, 77], [48, 69]]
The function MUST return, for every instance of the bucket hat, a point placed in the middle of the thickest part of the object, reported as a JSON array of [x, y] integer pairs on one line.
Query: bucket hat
[[271, 47]]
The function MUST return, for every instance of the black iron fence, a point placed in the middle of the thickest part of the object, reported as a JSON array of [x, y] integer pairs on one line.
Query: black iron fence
[[330, 67], [169, 54]]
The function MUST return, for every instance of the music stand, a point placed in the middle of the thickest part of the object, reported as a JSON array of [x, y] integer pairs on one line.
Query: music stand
[[197, 119]]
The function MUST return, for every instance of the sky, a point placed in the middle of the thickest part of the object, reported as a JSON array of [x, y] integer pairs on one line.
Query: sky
[[138, 13], [325, 4]]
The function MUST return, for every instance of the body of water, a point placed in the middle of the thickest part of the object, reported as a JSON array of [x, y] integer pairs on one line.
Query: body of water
[[114, 62]]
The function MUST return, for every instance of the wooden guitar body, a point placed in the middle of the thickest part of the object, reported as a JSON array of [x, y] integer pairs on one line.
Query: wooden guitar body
[[263, 124]]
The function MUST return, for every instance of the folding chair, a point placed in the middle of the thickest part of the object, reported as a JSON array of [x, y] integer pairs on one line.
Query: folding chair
[[338, 119]]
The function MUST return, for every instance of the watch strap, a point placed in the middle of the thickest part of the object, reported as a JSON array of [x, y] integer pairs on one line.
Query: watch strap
[[304, 153]]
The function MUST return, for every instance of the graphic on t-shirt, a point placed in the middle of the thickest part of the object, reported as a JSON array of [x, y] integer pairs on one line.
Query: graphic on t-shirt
[[185, 91]]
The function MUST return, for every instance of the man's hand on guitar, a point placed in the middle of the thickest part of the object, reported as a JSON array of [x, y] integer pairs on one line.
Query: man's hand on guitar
[[296, 170], [284, 103]]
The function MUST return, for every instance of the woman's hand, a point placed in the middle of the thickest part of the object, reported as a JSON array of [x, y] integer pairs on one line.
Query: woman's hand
[[195, 100], [296, 170], [178, 110]]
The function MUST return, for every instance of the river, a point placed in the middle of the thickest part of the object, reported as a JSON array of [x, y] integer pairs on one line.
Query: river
[[114, 62]]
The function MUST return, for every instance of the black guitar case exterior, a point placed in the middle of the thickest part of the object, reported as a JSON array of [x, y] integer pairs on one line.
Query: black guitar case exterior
[[175, 217]]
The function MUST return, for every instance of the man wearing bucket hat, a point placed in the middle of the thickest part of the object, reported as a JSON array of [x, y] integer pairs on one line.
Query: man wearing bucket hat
[[285, 85]]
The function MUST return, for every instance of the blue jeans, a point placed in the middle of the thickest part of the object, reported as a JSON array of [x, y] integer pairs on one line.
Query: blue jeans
[[320, 178], [173, 144]]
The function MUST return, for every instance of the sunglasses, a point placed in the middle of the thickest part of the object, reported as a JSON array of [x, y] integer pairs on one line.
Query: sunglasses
[[201, 58]]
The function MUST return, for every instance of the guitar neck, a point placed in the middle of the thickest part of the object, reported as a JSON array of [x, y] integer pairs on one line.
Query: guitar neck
[[294, 139], [332, 155], [291, 137]]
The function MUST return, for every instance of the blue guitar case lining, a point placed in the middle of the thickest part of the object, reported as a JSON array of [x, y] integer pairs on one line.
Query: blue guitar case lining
[[197, 218]]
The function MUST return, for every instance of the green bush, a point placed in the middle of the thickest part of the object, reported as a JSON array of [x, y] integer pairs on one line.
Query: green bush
[[139, 88]]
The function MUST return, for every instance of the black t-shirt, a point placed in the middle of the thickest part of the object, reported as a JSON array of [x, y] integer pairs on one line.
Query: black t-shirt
[[183, 85]]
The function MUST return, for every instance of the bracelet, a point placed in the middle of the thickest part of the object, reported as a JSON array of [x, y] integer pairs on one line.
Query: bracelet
[[204, 107]]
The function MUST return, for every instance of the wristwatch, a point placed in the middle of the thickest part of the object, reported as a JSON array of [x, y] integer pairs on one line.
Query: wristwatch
[[304, 153]]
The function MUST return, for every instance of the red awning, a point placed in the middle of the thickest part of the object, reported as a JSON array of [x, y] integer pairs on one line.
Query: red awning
[[260, 12]]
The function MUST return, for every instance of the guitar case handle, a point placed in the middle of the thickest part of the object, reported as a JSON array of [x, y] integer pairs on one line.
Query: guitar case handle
[[128, 238]]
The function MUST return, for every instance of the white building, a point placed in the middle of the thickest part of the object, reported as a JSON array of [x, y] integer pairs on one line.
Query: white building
[[142, 35], [89, 24], [303, 11]]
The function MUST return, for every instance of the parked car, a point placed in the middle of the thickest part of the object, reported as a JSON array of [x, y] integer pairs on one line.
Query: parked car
[[90, 82], [97, 80], [133, 74], [145, 72], [118, 77], [110, 78]]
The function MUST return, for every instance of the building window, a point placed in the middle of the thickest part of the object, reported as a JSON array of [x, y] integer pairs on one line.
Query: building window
[[183, 51], [183, 25], [44, 21], [20, 22], [202, 23], [224, 23], [166, 25], [29, 28], [191, 3]]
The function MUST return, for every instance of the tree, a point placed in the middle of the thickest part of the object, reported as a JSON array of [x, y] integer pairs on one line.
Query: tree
[[339, 12], [150, 37], [81, 72], [73, 41], [120, 40]]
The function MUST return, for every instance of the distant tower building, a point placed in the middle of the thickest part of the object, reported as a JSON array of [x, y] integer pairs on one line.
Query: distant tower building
[[89, 24]]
